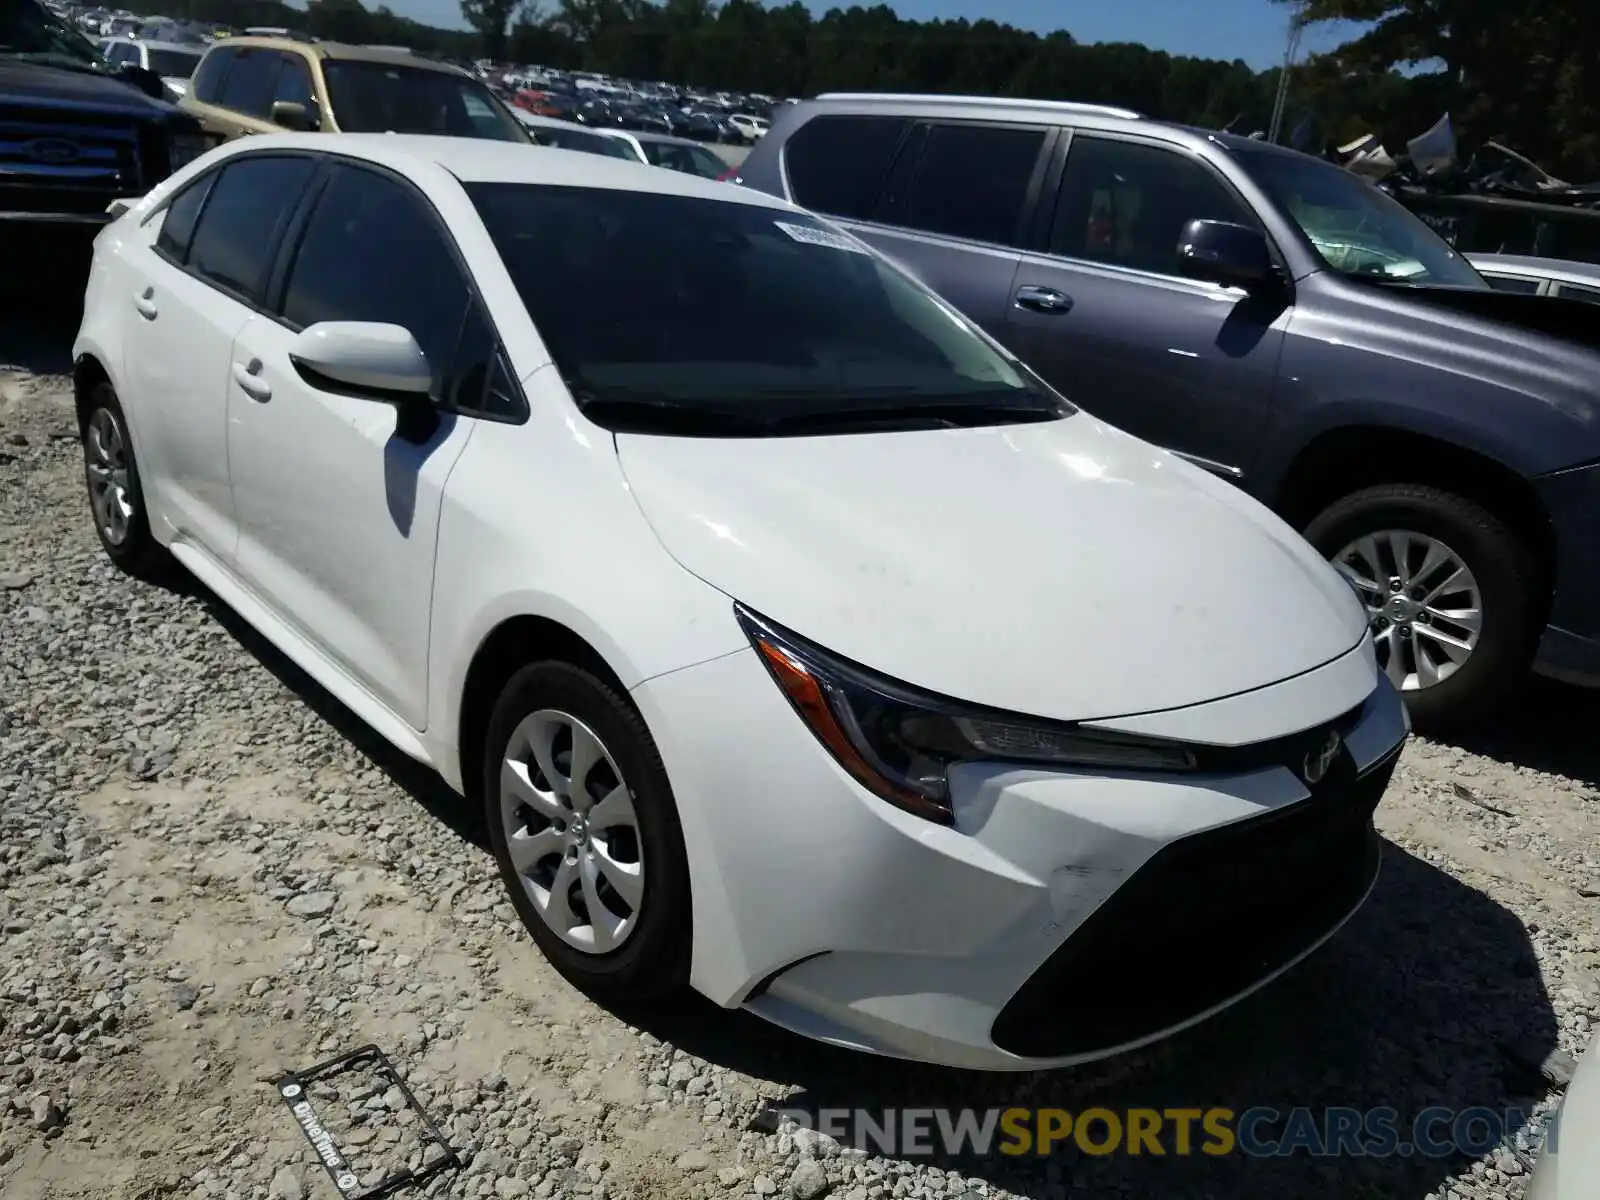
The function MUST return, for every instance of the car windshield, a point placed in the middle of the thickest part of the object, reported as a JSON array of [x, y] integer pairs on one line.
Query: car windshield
[[680, 314], [1357, 229], [380, 97], [693, 160], [178, 63], [30, 31]]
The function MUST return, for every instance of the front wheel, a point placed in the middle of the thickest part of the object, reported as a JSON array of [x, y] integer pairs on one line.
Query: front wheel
[[1451, 594], [584, 828]]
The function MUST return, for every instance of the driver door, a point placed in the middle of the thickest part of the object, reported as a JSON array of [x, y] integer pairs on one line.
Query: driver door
[[1105, 315]]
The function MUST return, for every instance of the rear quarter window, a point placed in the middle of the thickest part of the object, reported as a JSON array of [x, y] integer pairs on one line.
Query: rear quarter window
[[836, 164]]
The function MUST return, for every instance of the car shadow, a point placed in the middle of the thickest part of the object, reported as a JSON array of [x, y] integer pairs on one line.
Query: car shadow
[[422, 783], [1549, 728], [1430, 998]]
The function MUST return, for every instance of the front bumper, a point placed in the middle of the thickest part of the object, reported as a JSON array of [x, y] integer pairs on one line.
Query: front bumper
[[1066, 916], [1570, 647]]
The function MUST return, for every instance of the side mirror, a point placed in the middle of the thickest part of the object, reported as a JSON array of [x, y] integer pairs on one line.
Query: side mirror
[[293, 115], [145, 80], [1225, 253], [368, 360]]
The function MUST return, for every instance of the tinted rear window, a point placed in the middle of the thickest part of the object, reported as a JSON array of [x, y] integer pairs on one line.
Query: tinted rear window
[[837, 164], [946, 195], [177, 63]]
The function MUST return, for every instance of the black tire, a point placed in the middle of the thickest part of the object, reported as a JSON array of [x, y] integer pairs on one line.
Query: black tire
[[1508, 583], [137, 552], [653, 961]]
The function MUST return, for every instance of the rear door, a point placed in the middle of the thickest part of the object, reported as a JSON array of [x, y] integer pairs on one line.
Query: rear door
[[198, 282], [1103, 312]]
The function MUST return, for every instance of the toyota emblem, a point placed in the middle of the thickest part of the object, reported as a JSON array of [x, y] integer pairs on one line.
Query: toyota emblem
[[1320, 758]]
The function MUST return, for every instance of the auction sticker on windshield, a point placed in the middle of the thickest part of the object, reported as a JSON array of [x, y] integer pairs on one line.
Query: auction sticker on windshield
[[812, 236]]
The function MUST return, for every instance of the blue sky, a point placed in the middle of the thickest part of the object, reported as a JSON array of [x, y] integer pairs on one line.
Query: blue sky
[[1253, 30]]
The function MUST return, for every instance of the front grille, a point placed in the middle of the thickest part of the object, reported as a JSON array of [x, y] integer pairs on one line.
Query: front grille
[[1204, 919], [56, 161]]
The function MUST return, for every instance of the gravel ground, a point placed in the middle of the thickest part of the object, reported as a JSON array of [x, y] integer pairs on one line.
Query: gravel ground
[[210, 873]]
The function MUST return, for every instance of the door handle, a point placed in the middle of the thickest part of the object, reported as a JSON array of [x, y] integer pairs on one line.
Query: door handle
[[1043, 299], [145, 302], [250, 382]]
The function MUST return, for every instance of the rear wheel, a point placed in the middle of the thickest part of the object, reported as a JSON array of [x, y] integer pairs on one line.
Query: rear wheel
[[116, 497], [1451, 594], [586, 834]]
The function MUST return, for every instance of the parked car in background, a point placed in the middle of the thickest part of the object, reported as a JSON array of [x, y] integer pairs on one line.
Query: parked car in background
[[1277, 320], [175, 62], [1540, 276], [560, 407], [252, 85], [563, 135], [673, 153], [750, 128], [79, 136]]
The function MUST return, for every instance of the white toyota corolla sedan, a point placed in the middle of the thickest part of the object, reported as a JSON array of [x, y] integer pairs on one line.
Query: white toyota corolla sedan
[[798, 642]]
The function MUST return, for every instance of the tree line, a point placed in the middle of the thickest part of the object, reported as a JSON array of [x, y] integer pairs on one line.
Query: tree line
[[1525, 75]]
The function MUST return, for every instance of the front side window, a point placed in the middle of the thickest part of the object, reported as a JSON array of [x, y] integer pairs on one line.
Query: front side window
[[208, 78], [1576, 291], [372, 251], [376, 97], [1126, 203], [837, 164], [694, 316], [1513, 283], [294, 84], [1354, 228], [944, 195], [249, 86], [240, 224]]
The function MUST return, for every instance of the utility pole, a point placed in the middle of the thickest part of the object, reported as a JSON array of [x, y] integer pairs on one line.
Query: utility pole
[[1297, 29]]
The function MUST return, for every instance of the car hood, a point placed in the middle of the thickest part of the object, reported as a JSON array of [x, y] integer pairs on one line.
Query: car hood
[[37, 84], [1062, 569]]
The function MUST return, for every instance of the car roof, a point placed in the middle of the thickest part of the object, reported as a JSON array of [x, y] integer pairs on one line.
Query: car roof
[[483, 160], [1544, 268], [341, 50], [182, 47]]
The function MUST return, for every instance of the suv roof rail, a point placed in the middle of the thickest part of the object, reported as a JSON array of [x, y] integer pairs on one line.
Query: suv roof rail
[[1061, 106]]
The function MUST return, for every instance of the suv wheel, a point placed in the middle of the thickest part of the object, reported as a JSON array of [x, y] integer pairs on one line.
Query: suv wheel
[[116, 498], [1450, 592], [584, 828]]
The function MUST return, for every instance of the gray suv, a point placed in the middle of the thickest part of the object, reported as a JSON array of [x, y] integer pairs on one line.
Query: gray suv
[[1273, 319]]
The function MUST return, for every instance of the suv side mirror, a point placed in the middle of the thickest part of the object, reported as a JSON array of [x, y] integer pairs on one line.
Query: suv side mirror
[[1225, 253], [145, 80], [293, 115]]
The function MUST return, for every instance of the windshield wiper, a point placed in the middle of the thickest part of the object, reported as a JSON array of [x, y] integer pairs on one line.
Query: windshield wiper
[[914, 416], [638, 414]]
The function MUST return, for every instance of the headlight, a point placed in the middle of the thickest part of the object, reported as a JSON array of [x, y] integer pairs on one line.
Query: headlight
[[900, 744], [184, 148]]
